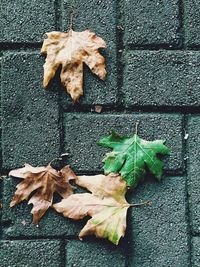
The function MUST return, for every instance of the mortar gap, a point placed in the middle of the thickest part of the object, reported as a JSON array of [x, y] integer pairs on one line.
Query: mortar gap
[[58, 14], [181, 29], [188, 213], [135, 108], [20, 46], [119, 6], [63, 253]]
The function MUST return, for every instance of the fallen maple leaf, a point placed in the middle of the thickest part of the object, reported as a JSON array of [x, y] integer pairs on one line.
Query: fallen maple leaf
[[71, 50], [46, 181], [106, 205], [131, 156]]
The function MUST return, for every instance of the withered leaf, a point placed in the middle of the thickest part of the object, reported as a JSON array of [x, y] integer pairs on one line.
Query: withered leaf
[[45, 181], [106, 205], [71, 50]]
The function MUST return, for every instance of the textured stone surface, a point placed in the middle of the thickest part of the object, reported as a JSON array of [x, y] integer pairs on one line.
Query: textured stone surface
[[26, 21], [159, 234], [194, 170], [151, 22], [102, 21], [162, 78], [192, 23], [30, 122], [30, 253], [195, 252], [94, 253], [17, 221], [83, 131]]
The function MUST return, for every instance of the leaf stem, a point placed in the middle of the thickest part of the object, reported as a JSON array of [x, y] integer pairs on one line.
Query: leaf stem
[[70, 25], [121, 205], [58, 158], [140, 204], [71, 20], [136, 127]]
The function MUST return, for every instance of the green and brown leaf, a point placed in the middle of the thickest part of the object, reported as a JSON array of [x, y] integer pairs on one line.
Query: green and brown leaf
[[106, 205]]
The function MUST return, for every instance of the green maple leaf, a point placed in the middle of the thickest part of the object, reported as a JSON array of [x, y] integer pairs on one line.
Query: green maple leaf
[[131, 156]]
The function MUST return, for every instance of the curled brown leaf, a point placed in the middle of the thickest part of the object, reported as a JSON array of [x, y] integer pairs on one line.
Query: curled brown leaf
[[44, 182]]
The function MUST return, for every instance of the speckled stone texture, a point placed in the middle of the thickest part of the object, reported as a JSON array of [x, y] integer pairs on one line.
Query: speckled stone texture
[[94, 253], [162, 78], [151, 22], [24, 21], [26, 253], [159, 232], [192, 23], [30, 120], [195, 252], [193, 171]]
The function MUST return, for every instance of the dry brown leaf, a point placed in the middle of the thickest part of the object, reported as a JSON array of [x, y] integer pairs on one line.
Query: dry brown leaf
[[71, 50], [45, 181], [106, 205]]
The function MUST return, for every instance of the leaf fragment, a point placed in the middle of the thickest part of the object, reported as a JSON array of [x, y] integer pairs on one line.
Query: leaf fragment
[[71, 50], [106, 205], [44, 182], [131, 156]]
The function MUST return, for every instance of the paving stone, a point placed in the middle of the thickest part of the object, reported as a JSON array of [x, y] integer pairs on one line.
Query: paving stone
[[17, 221], [192, 23], [83, 131], [151, 22], [102, 21], [30, 253], [159, 232], [30, 116], [162, 78], [193, 171], [195, 252], [26, 21], [94, 253]]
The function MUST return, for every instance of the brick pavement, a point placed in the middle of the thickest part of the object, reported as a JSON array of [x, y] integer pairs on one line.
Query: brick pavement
[[153, 69]]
